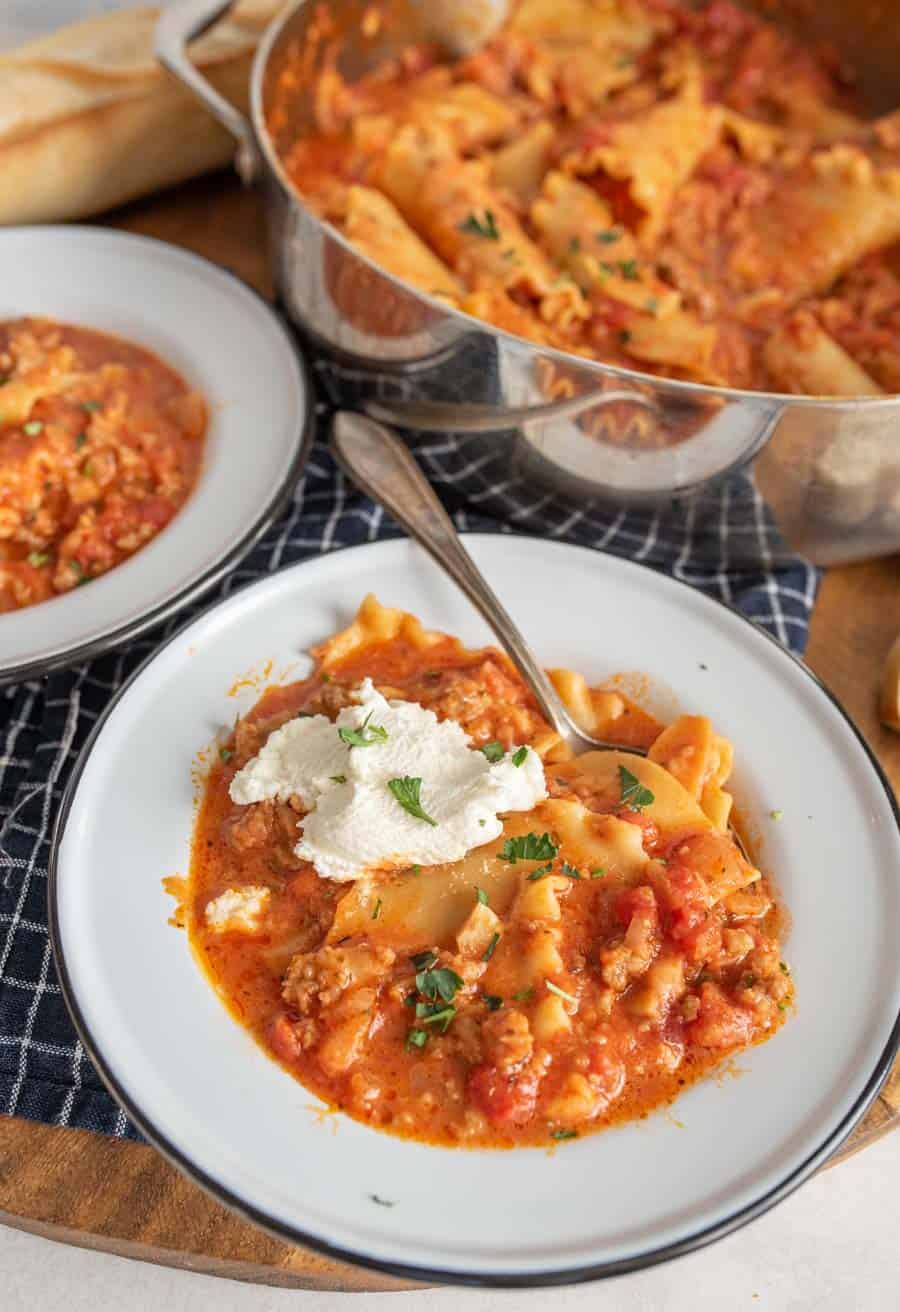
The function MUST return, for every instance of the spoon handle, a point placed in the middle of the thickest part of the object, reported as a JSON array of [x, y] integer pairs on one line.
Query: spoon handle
[[380, 464]]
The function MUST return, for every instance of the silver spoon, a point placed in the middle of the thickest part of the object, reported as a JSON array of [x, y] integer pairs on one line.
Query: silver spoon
[[380, 464]]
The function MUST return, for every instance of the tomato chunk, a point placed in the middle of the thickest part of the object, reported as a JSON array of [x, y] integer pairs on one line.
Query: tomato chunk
[[719, 1023], [283, 1038], [650, 828], [505, 1098]]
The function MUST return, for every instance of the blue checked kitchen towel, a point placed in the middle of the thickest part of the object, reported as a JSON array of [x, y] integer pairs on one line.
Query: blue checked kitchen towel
[[725, 544]]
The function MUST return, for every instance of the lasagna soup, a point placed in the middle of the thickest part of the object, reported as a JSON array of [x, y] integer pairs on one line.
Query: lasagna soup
[[100, 445], [681, 189], [444, 925]]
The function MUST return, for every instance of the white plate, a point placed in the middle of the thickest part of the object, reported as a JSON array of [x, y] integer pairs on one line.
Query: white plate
[[208, 1097], [228, 343]]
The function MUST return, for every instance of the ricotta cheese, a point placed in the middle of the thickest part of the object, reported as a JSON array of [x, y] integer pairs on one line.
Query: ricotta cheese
[[238, 909], [355, 824]]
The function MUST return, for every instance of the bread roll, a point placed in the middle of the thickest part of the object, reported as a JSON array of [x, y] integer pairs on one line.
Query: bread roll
[[89, 120]]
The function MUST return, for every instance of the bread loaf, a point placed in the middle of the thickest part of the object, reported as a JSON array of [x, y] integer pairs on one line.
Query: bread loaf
[[89, 120]]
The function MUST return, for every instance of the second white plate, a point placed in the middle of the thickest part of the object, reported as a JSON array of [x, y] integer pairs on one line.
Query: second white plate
[[226, 342]]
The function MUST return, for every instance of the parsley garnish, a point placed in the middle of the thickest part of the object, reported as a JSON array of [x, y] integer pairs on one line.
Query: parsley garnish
[[492, 1001], [326, 678], [438, 984], [624, 337], [529, 847], [377, 910], [408, 791], [338, 778], [564, 1134], [608, 235], [416, 1039], [491, 947], [90, 406], [560, 993], [364, 736], [523, 993], [225, 753], [784, 967], [38, 558], [486, 227], [416, 870], [776, 815], [598, 872], [493, 751], [748, 981], [481, 896], [382, 1202], [32, 428], [435, 1013], [80, 441], [539, 872], [629, 270], [424, 960], [519, 756], [575, 244], [633, 792], [78, 571], [571, 871]]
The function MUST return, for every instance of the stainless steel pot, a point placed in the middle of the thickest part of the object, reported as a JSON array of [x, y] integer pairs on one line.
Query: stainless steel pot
[[617, 435]]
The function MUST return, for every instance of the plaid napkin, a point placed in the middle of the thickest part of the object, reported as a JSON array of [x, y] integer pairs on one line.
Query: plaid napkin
[[724, 543]]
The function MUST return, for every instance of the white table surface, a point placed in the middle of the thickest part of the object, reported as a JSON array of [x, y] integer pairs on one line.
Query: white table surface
[[834, 1246]]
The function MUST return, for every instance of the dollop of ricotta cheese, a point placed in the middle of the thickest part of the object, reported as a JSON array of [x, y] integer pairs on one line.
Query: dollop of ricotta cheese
[[355, 824], [238, 910]]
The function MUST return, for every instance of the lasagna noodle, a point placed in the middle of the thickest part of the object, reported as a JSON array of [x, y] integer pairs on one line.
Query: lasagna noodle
[[821, 219], [653, 153], [466, 113], [802, 357], [374, 225]]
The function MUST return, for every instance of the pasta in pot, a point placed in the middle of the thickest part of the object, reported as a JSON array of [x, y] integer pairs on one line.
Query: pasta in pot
[[611, 946], [635, 181]]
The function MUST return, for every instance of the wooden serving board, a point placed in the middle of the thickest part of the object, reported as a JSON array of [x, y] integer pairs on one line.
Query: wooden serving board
[[123, 1197]]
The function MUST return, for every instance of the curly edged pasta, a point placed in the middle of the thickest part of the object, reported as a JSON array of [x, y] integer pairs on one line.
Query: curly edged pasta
[[610, 947], [645, 182]]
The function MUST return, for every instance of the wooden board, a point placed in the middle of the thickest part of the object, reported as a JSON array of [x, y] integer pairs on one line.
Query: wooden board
[[126, 1199]]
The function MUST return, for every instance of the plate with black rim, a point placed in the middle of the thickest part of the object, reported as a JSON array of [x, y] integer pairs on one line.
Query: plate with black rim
[[228, 344], [625, 1198]]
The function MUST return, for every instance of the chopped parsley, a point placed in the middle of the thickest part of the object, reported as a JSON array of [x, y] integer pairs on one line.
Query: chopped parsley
[[632, 792], [409, 1000], [492, 1001], [376, 912], [225, 753], [424, 960], [598, 872], [575, 244], [629, 270], [519, 756], [80, 441], [416, 869], [564, 1134], [748, 981], [326, 678], [436, 1014], [382, 1202], [38, 558], [784, 967], [624, 337], [571, 871], [523, 994], [776, 815], [32, 428], [481, 896], [529, 847], [364, 736], [561, 993], [78, 571], [441, 984], [608, 235], [491, 947], [416, 1039], [486, 227], [90, 406], [493, 751], [338, 778], [408, 792], [607, 268], [540, 872]]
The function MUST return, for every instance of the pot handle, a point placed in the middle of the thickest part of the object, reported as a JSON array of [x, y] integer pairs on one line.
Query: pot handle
[[179, 24]]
